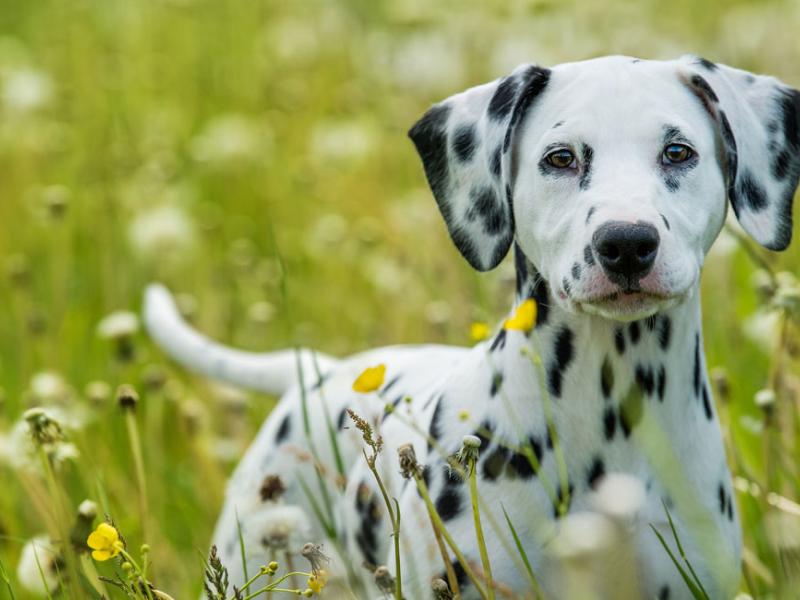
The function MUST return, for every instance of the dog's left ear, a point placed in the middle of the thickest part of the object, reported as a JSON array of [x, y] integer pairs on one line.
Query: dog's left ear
[[759, 123], [466, 143]]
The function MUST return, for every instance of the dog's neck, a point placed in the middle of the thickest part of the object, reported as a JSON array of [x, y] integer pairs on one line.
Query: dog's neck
[[592, 357]]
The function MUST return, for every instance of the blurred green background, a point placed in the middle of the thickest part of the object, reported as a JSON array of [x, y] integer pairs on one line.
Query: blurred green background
[[196, 141]]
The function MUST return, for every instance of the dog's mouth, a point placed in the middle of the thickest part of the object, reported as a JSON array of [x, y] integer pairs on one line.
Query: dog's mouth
[[628, 305]]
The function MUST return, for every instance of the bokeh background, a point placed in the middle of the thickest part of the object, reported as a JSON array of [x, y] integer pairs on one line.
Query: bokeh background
[[253, 156]]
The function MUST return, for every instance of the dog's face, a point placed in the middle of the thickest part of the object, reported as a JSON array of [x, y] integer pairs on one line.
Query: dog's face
[[613, 175]]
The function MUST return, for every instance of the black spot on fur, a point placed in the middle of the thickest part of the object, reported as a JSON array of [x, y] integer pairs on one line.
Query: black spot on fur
[[496, 165], [630, 412], [609, 423], [563, 352], [650, 322], [519, 460], [391, 383], [521, 269], [706, 64], [495, 463], [537, 79], [589, 214], [707, 403], [576, 271], [663, 593], [341, 419], [661, 382], [619, 340], [596, 471], [696, 379], [752, 193], [567, 288], [448, 504], [664, 332], [499, 341], [666, 222], [497, 382], [435, 429], [701, 84], [503, 99], [588, 255], [540, 293], [633, 330], [369, 511], [283, 429], [586, 168], [561, 499], [464, 142], [429, 135], [673, 183], [485, 203], [644, 379], [606, 378]]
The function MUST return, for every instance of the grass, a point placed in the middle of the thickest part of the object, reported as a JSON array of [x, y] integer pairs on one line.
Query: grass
[[188, 140]]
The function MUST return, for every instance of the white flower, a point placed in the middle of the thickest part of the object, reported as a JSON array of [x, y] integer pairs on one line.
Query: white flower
[[277, 527], [619, 496], [48, 386], [27, 90], [38, 566], [160, 231], [119, 324], [582, 534], [229, 140], [762, 328]]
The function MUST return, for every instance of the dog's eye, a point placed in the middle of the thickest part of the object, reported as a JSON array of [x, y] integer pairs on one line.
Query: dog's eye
[[561, 159], [676, 153]]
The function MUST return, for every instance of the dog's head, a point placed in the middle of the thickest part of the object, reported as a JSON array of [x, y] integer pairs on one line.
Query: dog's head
[[613, 175]]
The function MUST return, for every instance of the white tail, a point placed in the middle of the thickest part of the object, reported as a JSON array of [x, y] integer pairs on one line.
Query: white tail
[[270, 372]]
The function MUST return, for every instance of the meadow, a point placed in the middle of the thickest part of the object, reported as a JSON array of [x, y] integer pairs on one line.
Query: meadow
[[253, 157]]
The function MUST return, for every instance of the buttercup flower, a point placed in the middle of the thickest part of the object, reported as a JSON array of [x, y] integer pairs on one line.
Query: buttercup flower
[[370, 379], [104, 542], [318, 581], [479, 331], [524, 318]]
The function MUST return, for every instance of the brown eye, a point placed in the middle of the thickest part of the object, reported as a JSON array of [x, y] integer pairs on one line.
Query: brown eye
[[561, 159], [676, 153]]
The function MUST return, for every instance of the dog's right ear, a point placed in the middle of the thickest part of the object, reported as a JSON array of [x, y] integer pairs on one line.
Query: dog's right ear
[[465, 144]]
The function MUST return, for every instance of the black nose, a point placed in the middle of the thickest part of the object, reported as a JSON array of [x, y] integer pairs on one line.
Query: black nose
[[626, 249]]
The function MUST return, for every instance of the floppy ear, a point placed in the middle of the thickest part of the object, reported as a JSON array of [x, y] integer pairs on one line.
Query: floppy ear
[[759, 123], [465, 144]]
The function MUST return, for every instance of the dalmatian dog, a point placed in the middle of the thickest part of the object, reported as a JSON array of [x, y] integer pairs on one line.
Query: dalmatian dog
[[608, 180]]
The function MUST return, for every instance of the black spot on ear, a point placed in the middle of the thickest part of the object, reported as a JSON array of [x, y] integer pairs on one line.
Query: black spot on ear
[[666, 222], [633, 330], [495, 463], [563, 354], [596, 472], [283, 429], [619, 340], [661, 382], [609, 423], [486, 204], [497, 383], [588, 255], [751, 193], [537, 79], [606, 378], [503, 99], [499, 341], [495, 165], [589, 214], [576, 271], [664, 332], [464, 142], [706, 64], [707, 404], [781, 165], [429, 135], [586, 167]]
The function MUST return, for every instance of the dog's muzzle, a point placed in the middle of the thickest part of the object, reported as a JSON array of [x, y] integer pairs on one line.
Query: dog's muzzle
[[626, 251]]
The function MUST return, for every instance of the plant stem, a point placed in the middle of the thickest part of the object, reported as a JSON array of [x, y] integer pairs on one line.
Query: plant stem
[[138, 464], [395, 519], [473, 495]]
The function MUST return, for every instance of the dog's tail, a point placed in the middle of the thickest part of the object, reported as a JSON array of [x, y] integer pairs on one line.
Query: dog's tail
[[271, 372]]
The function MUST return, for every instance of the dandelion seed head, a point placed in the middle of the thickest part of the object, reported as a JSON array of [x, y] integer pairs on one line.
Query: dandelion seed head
[[619, 496], [117, 325]]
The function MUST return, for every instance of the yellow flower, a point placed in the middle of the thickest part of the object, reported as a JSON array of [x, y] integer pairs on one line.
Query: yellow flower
[[370, 380], [318, 581], [524, 318], [104, 542], [479, 331]]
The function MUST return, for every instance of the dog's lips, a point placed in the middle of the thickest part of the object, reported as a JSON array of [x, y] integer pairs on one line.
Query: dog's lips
[[627, 305]]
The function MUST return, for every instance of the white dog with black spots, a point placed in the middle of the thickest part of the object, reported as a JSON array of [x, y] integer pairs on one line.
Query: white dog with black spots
[[610, 178]]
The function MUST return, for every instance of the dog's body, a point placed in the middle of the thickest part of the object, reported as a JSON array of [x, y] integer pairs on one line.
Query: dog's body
[[588, 192]]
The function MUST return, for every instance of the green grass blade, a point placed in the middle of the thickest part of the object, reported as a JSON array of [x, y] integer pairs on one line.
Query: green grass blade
[[334, 439], [697, 593], [682, 553], [523, 555], [241, 545], [316, 508], [4, 577]]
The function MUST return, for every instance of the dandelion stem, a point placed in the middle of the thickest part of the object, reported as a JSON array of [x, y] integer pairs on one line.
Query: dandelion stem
[[473, 495], [138, 464]]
